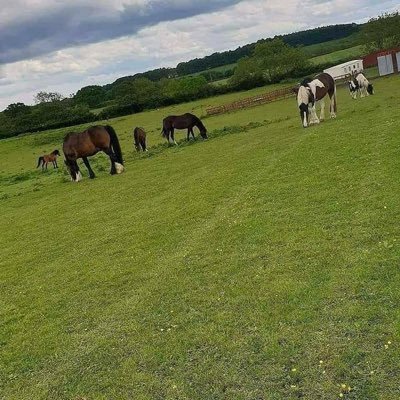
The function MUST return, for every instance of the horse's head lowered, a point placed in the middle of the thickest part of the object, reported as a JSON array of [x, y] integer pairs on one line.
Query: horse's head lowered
[[370, 89], [73, 170], [304, 98], [202, 128], [203, 132]]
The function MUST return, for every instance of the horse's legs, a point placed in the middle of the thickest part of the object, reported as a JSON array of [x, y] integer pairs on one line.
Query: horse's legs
[[169, 136], [314, 117], [188, 134], [56, 164], [332, 98], [172, 135], [191, 130], [113, 160], [322, 115], [91, 173], [46, 165], [78, 173]]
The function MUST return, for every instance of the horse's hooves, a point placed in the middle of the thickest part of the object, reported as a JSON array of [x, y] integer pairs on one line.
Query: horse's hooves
[[119, 168]]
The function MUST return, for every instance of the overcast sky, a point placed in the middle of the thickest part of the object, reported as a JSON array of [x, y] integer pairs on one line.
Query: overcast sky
[[57, 45]]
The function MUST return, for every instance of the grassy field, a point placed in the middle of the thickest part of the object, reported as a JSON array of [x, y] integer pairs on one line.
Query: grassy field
[[223, 68], [340, 55], [332, 46], [260, 264], [330, 51]]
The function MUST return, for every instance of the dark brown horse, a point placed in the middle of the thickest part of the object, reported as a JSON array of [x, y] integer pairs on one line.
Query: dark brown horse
[[87, 144], [139, 136], [185, 121], [49, 158]]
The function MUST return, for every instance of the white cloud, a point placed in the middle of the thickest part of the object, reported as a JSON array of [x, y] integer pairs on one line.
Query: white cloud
[[168, 43]]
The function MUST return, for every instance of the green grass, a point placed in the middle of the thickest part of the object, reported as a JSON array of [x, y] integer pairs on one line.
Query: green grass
[[332, 46], [225, 269], [330, 51], [340, 55], [223, 68]]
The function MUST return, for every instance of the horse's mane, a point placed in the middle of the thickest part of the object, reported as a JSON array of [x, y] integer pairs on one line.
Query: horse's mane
[[199, 124], [68, 135], [306, 81]]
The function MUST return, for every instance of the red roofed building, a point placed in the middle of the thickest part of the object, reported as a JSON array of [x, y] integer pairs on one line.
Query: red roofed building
[[371, 60]]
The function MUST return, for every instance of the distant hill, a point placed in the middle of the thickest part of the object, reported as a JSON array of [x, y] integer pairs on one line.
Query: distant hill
[[302, 38]]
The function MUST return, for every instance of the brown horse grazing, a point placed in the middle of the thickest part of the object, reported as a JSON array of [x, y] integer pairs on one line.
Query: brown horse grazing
[[88, 143], [312, 91], [139, 136], [48, 158], [185, 121]]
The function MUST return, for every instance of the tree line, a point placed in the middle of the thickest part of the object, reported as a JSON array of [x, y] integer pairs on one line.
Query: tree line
[[264, 62]]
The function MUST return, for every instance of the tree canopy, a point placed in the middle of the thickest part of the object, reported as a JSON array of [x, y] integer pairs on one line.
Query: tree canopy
[[382, 32], [48, 97], [270, 62]]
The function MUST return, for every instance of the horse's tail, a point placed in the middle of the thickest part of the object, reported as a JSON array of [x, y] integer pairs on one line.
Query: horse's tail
[[116, 147], [41, 159]]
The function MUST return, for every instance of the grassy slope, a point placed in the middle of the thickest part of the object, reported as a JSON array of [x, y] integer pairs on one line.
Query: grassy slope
[[332, 46], [223, 68], [340, 55], [330, 51], [225, 269]]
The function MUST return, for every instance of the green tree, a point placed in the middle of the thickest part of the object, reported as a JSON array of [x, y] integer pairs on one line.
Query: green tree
[[139, 91], [277, 59], [16, 109], [271, 61], [248, 74], [181, 89], [382, 32], [48, 97], [92, 96]]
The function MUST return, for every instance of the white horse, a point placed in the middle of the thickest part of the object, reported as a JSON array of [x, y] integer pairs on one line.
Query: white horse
[[360, 85], [313, 91]]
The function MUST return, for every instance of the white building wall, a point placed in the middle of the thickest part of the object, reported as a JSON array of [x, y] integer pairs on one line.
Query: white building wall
[[346, 69]]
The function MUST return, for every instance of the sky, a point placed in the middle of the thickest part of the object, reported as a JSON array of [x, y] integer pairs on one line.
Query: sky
[[56, 45]]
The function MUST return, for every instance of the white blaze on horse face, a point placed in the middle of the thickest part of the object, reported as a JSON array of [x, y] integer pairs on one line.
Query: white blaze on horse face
[[119, 167]]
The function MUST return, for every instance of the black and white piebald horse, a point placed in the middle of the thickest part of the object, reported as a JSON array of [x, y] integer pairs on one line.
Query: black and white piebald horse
[[360, 85], [313, 91]]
